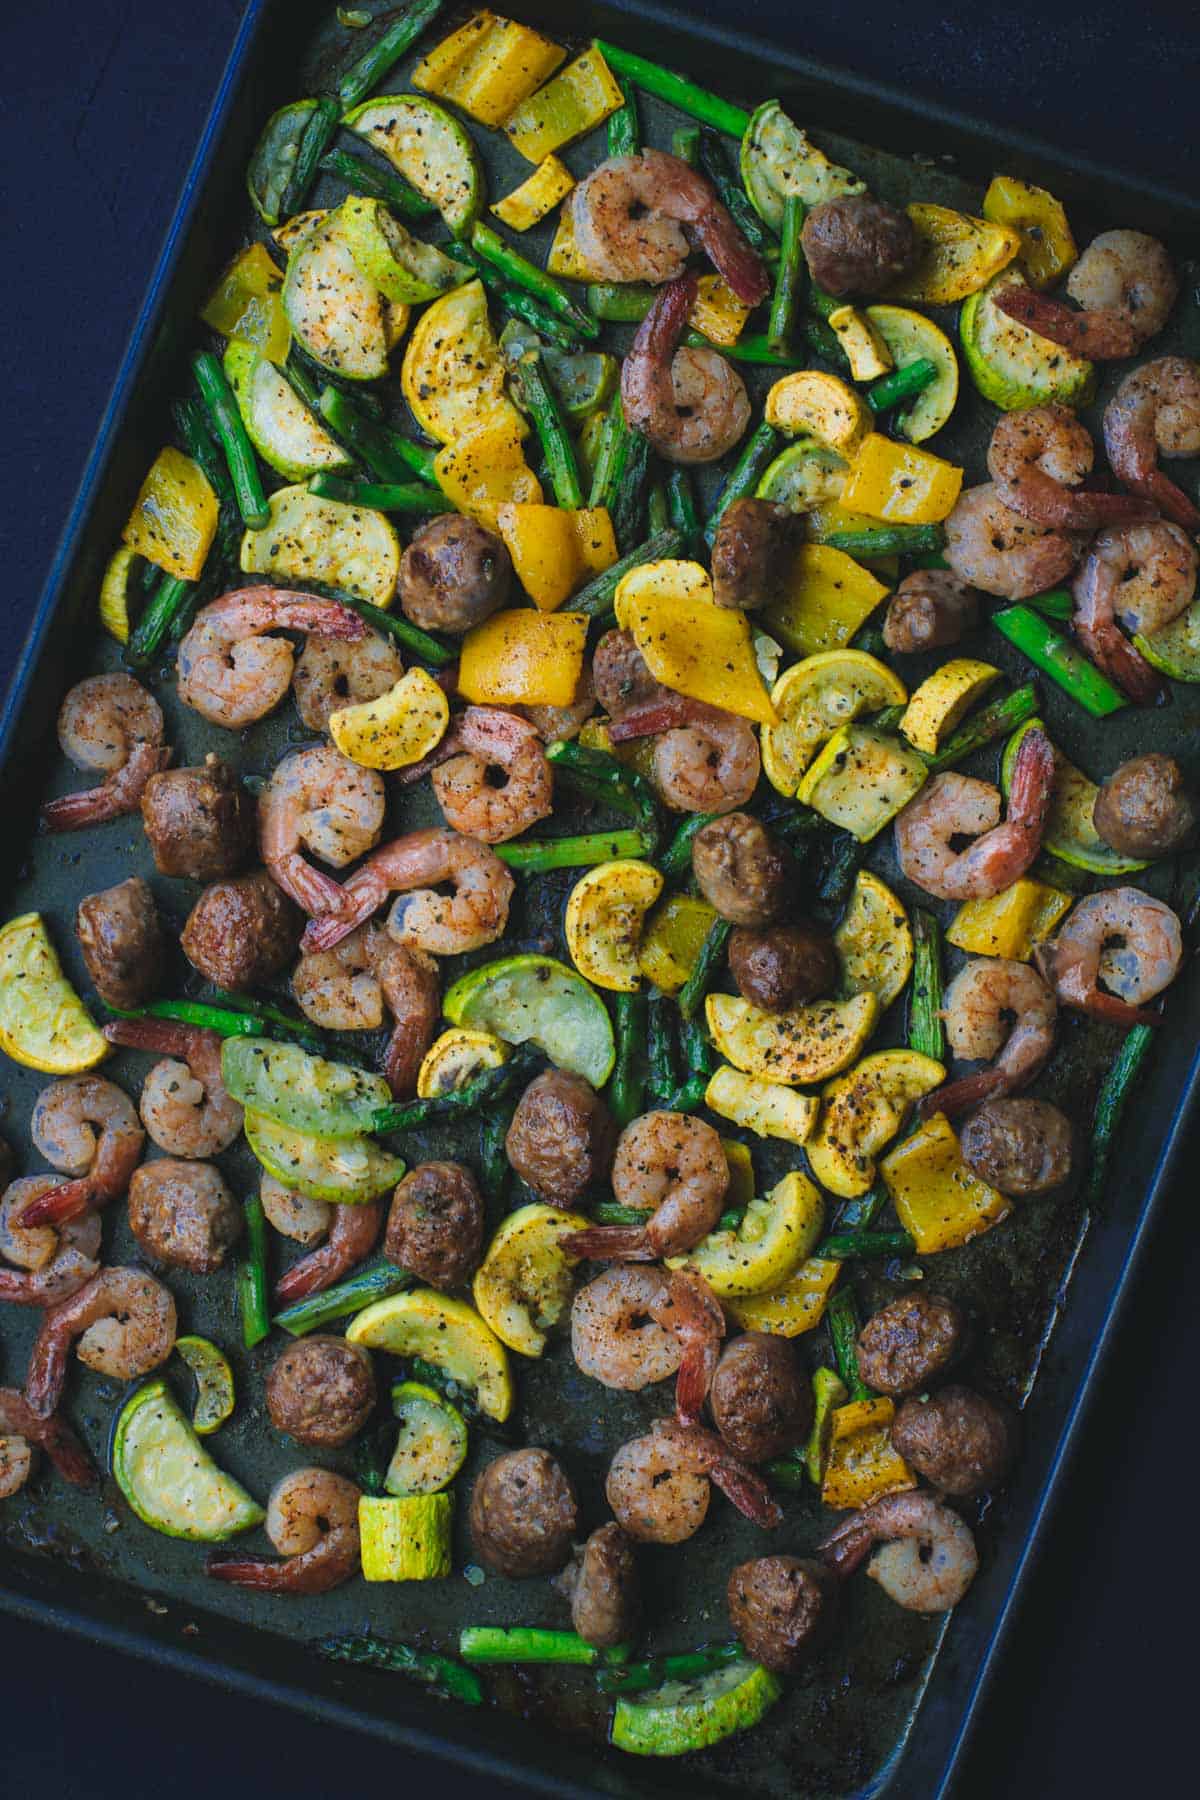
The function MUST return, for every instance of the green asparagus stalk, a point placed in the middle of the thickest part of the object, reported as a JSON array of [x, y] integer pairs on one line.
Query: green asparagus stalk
[[408, 497], [1049, 651], [624, 131], [789, 277], [888, 540], [534, 856], [743, 478], [532, 1644], [521, 305], [410, 1115], [660, 1056], [628, 1084], [926, 1032], [690, 998], [374, 1281], [715, 165], [160, 613], [685, 1665], [1115, 1091], [252, 1277], [840, 1246], [841, 1315], [597, 597], [366, 178], [998, 719], [676, 90], [386, 453], [371, 67], [520, 272], [227, 421], [681, 506], [538, 398], [900, 384], [421, 644], [439, 1673]]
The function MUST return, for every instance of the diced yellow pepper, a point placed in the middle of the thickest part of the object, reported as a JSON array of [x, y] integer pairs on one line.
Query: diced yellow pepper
[[246, 304], [829, 597], [405, 1538], [796, 1307], [553, 549], [566, 259], [717, 312], [537, 195], [1009, 924], [938, 1199], [523, 658], [580, 97], [819, 406], [900, 483], [1047, 246], [672, 941], [766, 1108], [957, 255], [485, 470], [862, 1466], [174, 519], [943, 698], [438, 66], [866, 351], [488, 67], [595, 537], [691, 644]]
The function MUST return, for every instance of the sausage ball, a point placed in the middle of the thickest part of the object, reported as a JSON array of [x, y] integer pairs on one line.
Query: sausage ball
[[760, 1402], [957, 1439], [621, 676], [783, 966], [122, 942], [321, 1391], [930, 609], [1018, 1145], [523, 1514], [751, 557], [740, 869], [435, 1226], [1144, 808], [782, 1608], [241, 932], [454, 574], [601, 1582], [561, 1138], [909, 1343], [857, 246], [199, 822], [182, 1213]]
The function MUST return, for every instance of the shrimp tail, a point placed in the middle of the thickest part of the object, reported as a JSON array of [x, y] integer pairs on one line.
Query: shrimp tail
[[314, 892], [120, 794], [67, 1454], [1099, 336], [1032, 782], [360, 897], [267, 1574], [732, 255], [602, 1243], [1110, 650], [661, 329], [59, 1205], [352, 1238], [955, 1097], [847, 1547], [1090, 509], [162, 1037], [1170, 500], [693, 1381], [651, 719], [402, 1060], [747, 1491], [46, 1375], [1119, 1012]]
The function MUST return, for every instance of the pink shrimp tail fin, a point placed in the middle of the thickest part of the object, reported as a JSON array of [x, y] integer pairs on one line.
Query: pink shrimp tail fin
[[162, 1037], [694, 1379], [1116, 657], [602, 1243], [357, 901], [68, 1455], [732, 254], [956, 1097], [747, 1491], [652, 718], [59, 1205], [1170, 500], [1032, 781], [661, 329], [305, 612], [1118, 1012], [1091, 509], [262, 1572], [120, 794], [1100, 336], [847, 1548], [46, 1375]]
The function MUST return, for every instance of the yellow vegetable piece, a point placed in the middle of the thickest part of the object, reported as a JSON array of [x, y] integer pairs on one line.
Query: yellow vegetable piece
[[874, 942], [766, 1108], [488, 67], [523, 1285], [288, 235], [537, 195], [399, 727], [958, 255], [795, 1307], [566, 259], [866, 351], [830, 596], [580, 97], [486, 470], [405, 1538], [806, 1043], [114, 594], [452, 372], [862, 1111], [773, 1239], [943, 698], [639, 754], [1047, 246], [813, 699], [396, 314], [603, 922], [862, 1465], [692, 645], [523, 658], [911, 337], [444, 1331], [246, 303], [740, 1191], [174, 518], [672, 939], [554, 550], [938, 1199], [819, 406], [717, 312], [861, 779], [595, 537], [457, 1057], [900, 483], [1012, 923], [43, 1022], [309, 539]]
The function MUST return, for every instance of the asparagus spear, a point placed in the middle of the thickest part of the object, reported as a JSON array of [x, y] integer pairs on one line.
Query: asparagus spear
[[252, 1277], [440, 1673], [227, 421], [371, 67], [374, 1281], [926, 1032]]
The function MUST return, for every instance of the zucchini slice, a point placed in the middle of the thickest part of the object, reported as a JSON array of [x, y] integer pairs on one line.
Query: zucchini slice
[[1012, 366], [274, 157], [169, 1478], [334, 310], [1070, 834], [778, 159], [432, 1445], [523, 1285], [861, 779], [400, 265], [804, 475], [309, 539], [774, 1237], [911, 337], [325, 1099], [688, 1715], [278, 424], [430, 149], [535, 999], [1176, 648], [340, 1171]]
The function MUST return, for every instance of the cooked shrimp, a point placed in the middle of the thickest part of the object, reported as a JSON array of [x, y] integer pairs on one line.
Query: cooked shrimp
[[413, 866], [995, 1009], [353, 1234], [50, 1263], [705, 760], [1124, 282], [111, 724], [995, 549], [928, 1559], [125, 1323], [1037, 458], [1156, 412], [1143, 575], [292, 1214], [22, 1432], [659, 1485], [953, 805], [318, 798], [472, 802], [184, 1105], [231, 672], [344, 989], [690, 403], [86, 1127], [1123, 938], [312, 1520], [331, 673], [672, 1167], [631, 1326], [636, 218]]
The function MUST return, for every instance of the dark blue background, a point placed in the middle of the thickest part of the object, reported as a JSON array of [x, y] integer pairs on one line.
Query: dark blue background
[[103, 101]]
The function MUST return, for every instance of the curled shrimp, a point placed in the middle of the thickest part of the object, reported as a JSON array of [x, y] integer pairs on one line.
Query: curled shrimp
[[331, 673], [670, 1166], [995, 549], [995, 1009], [231, 672], [631, 1326], [414, 866], [49, 1263], [1123, 938], [1144, 576], [318, 799], [108, 723], [928, 1558], [86, 1127], [1037, 458], [488, 739], [659, 1485], [705, 760], [22, 1432], [1156, 412], [636, 218], [1124, 283], [953, 805], [345, 989], [184, 1105], [353, 1234], [292, 1214], [312, 1520], [125, 1323], [690, 403]]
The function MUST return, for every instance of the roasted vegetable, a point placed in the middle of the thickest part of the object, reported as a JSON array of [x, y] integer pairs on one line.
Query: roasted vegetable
[[524, 1284], [554, 551], [1011, 365], [429, 148], [760, 1253], [958, 255], [247, 304], [899, 483], [939, 1200], [829, 599], [580, 97], [813, 699], [805, 1044], [537, 195], [1010, 924], [400, 727], [778, 160], [485, 470], [690, 644], [488, 66], [603, 922], [861, 780], [43, 1022], [445, 1332], [405, 1539], [821, 407], [874, 942], [453, 372], [174, 517], [943, 699], [861, 1465], [862, 1111], [523, 658], [1047, 246], [764, 1107], [310, 539]]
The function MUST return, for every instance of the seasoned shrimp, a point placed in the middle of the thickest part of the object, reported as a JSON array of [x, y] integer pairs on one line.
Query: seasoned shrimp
[[1125, 284], [953, 805], [705, 760], [631, 1326], [491, 739], [1156, 412], [231, 672], [184, 1105], [928, 1558], [331, 673], [312, 1520], [995, 1009], [111, 724], [690, 403], [344, 989], [294, 1215], [22, 1432], [125, 1323], [672, 1167], [86, 1127], [49, 1263], [318, 798], [659, 1485], [995, 549], [353, 1234], [636, 218], [1123, 938], [1037, 458], [414, 866], [1144, 576]]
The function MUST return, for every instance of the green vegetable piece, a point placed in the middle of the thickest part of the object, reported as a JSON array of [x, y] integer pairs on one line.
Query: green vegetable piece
[[596, 598], [518, 270], [743, 478], [841, 1316], [1175, 649], [1111, 1102], [169, 1478], [1011, 365], [628, 1083], [789, 277], [684, 1665], [430, 149], [532, 1644], [252, 1277], [901, 384], [374, 1281], [677, 1718], [321, 125], [214, 1382], [227, 421], [676, 90], [318, 1097], [342, 1171], [690, 998], [539, 1000], [411, 498], [829, 1392], [403, 268], [888, 540], [439, 1673], [278, 423], [778, 160], [363, 177], [372, 65], [992, 721], [168, 600], [388, 454], [537, 397], [432, 1444], [274, 158], [1058, 658], [926, 1033], [1070, 833]]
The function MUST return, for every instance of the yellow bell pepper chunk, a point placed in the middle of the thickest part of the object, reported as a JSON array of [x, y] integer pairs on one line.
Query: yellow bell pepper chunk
[[865, 349], [939, 1200], [691, 644], [553, 550], [943, 698], [862, 1465], [1047, 245], [246, 304], [900, 483], [488, 67], [1009, 924], [717, 312], [486, 470], [566, 259], [957, 255], [766, 1108], [580, 97], [537, 195], [796, 1307], [174, 518], [400, 727], [672, 941], [829, 598], [819, 406], [523, 658]]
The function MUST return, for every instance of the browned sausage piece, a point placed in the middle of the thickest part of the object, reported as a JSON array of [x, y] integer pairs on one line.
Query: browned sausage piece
[[561, 1137], [740, 869], [435, 1226], [620, 674], [857, 245], [454, 574], [929, 610], [909, 1343], [957, 1439], [751, 553], [122, 942], [241, 932], [523, 1514], [601, 1582], [1144, 808], [781, 1607], [761, 1404], [321, 1391], [1020, 1146], [183, 1214], [199, 822], [783, 966]]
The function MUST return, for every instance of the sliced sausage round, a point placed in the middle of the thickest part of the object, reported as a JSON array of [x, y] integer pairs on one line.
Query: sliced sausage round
[[435, 1225], [122, 941], [783, 966], [454, 574], [1144, 808], [957, 1439], [909, 1343], [751, 563], [857, 246], [321, 1391], [199, 822], [931, 609], [523, 1514], [601, 1582], [183, 1214], [740, 869], [761, 1404], [560, 1140], [782, 1608], [1019, 1145], [243, 931]]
